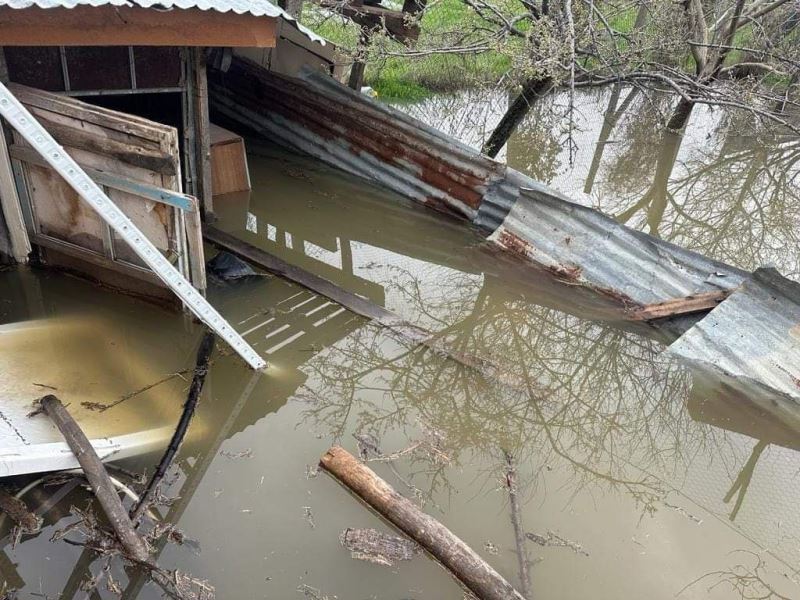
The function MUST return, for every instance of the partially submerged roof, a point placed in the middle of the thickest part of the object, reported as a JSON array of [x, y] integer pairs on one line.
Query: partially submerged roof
[[752, 339], [246, 8]]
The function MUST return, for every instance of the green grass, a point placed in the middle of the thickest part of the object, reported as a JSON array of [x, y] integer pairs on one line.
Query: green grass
[[410, 79]]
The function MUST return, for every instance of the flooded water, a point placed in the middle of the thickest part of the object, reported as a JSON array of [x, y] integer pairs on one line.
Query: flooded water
[[641, 479], [726, 187]]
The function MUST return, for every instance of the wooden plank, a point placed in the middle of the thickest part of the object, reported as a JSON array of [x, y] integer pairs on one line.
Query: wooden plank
[[105, 117], [133, 26], [229, 171], [680, 306], [74, 137], [202, 132], [151, 192], [11, 207]]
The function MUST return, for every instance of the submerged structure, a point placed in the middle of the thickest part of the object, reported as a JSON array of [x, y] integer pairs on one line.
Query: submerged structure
[[141, 128], [159, 129]]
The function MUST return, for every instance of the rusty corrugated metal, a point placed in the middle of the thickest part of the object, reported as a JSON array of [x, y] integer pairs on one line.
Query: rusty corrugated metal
[[318, 116], [752, 339], [584, 246]]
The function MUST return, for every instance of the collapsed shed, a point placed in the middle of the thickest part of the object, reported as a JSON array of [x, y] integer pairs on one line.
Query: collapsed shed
[[140, 128]]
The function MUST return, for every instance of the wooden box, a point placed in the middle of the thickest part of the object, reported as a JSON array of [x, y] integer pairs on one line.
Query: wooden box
[[228, 162]]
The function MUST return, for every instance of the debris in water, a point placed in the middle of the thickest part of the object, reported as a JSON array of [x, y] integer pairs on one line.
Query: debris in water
[[246, 453], [313, 593], [228, 267], [684, 512], [376, 547], [309, 516], [553, 539], [45, 386], [491, 548], [451, 552], [25, 520]]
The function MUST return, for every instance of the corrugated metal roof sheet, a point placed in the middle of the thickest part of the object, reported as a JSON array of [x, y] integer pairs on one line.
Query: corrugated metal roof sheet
[[583, 246], [258, 8], [318, 116], [752, 339]]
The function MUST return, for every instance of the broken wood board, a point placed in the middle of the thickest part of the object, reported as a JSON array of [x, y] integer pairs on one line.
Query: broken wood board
[[137, 164], [702, 302]]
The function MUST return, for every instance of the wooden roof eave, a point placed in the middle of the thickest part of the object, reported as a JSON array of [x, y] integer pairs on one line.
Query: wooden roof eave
[[134, 26]]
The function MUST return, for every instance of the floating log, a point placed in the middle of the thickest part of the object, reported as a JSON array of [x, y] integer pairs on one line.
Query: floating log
[[465, 564], [680, 306], [97, 476], [196, 387]]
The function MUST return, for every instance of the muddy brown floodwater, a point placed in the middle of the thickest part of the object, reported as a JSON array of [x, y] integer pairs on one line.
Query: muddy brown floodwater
[[634, 477]]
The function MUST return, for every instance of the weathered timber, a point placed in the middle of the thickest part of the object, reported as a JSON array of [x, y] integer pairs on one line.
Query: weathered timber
[[128, 152], [352, 302], [19, 513], [196, 387], [680, 306], [461, 560], [97, 476]]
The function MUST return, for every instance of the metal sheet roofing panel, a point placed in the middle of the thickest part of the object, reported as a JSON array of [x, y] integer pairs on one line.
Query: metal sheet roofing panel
[[580, 246], [585, 247], [751, 339], [257, 8]]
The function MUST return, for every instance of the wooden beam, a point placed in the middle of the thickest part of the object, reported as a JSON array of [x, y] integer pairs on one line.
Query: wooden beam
[[98, 478], [203, 187], [680, 306], [10, 205], [133, 26]]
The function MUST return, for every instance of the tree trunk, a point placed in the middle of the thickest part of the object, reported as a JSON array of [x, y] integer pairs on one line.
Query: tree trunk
[[531, 92], [681, 114], [480, 578]]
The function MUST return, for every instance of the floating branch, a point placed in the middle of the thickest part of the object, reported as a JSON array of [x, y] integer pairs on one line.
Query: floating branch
[[97, 476], [467, 566], [199, 378]]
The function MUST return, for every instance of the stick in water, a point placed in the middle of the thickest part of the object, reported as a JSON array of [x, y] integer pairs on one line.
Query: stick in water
[[199, 378], [474, 572], [97, 476]]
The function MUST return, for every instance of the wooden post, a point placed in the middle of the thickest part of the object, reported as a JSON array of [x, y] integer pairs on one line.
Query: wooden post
[[11, 209], [360, 63], [202, 137], [98, 478], [475, 573]]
